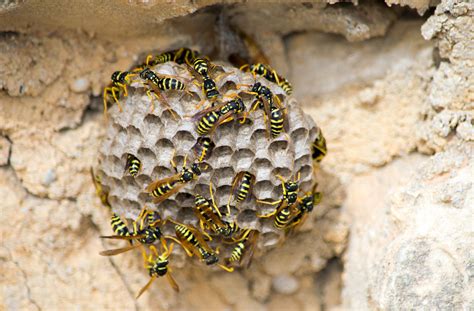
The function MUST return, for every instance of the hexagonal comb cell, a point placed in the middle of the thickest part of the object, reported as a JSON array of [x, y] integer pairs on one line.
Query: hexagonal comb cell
[[154, 136]]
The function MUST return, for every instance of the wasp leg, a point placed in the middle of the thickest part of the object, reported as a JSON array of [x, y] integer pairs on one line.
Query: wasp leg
[[231, 269], [269, 203], [188, 252], [267, 215]]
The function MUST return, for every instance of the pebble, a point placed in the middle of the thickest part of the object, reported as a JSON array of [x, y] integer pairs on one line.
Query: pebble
[[49, 177], [285, 284], [80, 85]]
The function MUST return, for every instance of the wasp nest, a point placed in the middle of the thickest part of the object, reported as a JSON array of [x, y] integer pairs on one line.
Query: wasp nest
[[156, 135]]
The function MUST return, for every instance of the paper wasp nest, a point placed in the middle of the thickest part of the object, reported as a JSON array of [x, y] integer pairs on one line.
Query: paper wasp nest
[[154, 136]]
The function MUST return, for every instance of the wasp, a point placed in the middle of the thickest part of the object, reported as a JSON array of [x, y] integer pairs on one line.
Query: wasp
[[243, 252], [185, 55], [120, 80], [276, 115], [202, 71], [318, 148], [305, 206], [158, 84], [212, 117], [133, 165], [101, 193], [119, 226], [289, 197], [203, 148], [193, 243], [242, 184], [270, 74], [145, 231], [210, 217], [158, 267], [162, 189]]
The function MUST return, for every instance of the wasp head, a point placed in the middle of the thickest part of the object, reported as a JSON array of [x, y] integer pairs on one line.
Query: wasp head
[[211, 259], [196, 169]]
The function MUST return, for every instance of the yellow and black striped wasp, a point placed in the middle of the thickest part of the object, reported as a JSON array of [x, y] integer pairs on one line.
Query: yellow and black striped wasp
[[203, 148], [133, 165], [162, 189], [304, 207], [193, 243], [318, 148], [209, 119], [101, 193], [211, 219], [159, 267], [289, 197], [146, 231], [243, 252], [242, 185], [120, 80], [201, 69], [275, 114], [270, 74], [185, 56], [209, 215], [158, 84], [180, 56]]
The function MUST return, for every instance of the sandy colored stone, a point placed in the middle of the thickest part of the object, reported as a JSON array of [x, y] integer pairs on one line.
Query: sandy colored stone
[[5, 148]]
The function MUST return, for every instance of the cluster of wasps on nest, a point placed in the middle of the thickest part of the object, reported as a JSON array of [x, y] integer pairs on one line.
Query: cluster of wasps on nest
[[289, 212]]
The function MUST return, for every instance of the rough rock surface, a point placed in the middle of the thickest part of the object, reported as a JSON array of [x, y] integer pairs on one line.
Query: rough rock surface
[[406, 216]]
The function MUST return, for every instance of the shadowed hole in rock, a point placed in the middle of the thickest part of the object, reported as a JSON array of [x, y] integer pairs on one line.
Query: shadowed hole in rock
[[143, 180], [146, 156], [185, 199], [282, 171], [262, 166], [221, 195], [222, 176], [152, 122], [186, 140], [305, 171], [160, 172], [302, 161], [165, 147], [299, 134], [259, 137], [227, 86], [132, 205], [242, 155], [187, 216], [247, 218], [264, 188]]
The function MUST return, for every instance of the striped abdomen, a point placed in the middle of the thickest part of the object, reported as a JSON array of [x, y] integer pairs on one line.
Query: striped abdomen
[[183, 233], [286, 86], [237, 252], [282, 218], [201, 67], [244, 188], [276, 122], [207, 122], [163, 58], [210, 88], [118, 226], [133, 165], [163, 189], [170, 84]]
